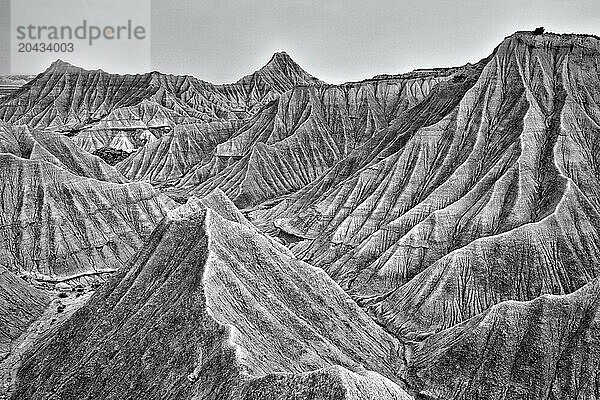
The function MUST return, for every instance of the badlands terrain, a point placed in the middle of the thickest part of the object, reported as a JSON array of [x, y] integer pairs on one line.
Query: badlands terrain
[[428, 235]]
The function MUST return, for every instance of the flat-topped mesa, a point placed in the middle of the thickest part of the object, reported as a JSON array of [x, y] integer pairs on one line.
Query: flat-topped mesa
[[545, 40], [557, 40], [425, 73]]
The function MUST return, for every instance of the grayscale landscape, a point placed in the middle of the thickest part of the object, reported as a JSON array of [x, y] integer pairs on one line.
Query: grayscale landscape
[[430, 235]]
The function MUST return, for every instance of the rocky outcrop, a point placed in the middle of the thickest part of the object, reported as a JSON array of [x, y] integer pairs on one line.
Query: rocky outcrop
[[153, 112], [67, 215], [165, 160], [438, 231], [279, 75], [20, 305], [55, 149], [11, 83], [110, 155], [326, 383], [547, 348], [65, 96], [216, 310], [300, 136], [69, 98], [470, 210]]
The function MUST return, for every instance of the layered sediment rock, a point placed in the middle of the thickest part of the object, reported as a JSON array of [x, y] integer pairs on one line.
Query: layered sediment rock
[[547, 348], [69, 98], [65, 213], [300, 136], [167, 159], [11, 83], [20, 305], [216, 310], [487, 204], [456, 208]]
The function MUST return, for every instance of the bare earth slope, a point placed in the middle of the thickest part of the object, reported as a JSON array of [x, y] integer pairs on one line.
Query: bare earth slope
[[496, 200], [20, 305], [548, 348], [11, 83], [297, 138], [207, 319], [167, 159], [65, 213], [100, 106], [438, 231]]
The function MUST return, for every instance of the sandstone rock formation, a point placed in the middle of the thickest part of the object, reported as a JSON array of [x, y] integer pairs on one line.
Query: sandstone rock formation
[[20, 305], [216, 310], [547, 348], [167, 159], [11, 83], [429, 235], [66, 215], [495, 200], [297, 138], [71, 99]]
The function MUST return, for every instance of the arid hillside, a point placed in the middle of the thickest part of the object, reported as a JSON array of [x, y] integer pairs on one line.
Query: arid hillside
[[426, 235]]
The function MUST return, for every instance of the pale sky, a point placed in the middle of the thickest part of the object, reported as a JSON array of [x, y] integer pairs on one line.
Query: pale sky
[[336, 40], [345, 40]]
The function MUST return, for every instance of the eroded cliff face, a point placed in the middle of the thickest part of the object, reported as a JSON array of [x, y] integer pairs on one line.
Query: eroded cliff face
[[20, 305], [300, 136], [438, 230], [165, 160], [67, 215], [215, 310], [547, 348], [11, 83], [91, 103], [488, 203]]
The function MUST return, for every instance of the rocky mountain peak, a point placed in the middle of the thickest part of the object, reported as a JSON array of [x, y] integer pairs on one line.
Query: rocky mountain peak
[[281, 57], [61, 65], [283, 69]]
